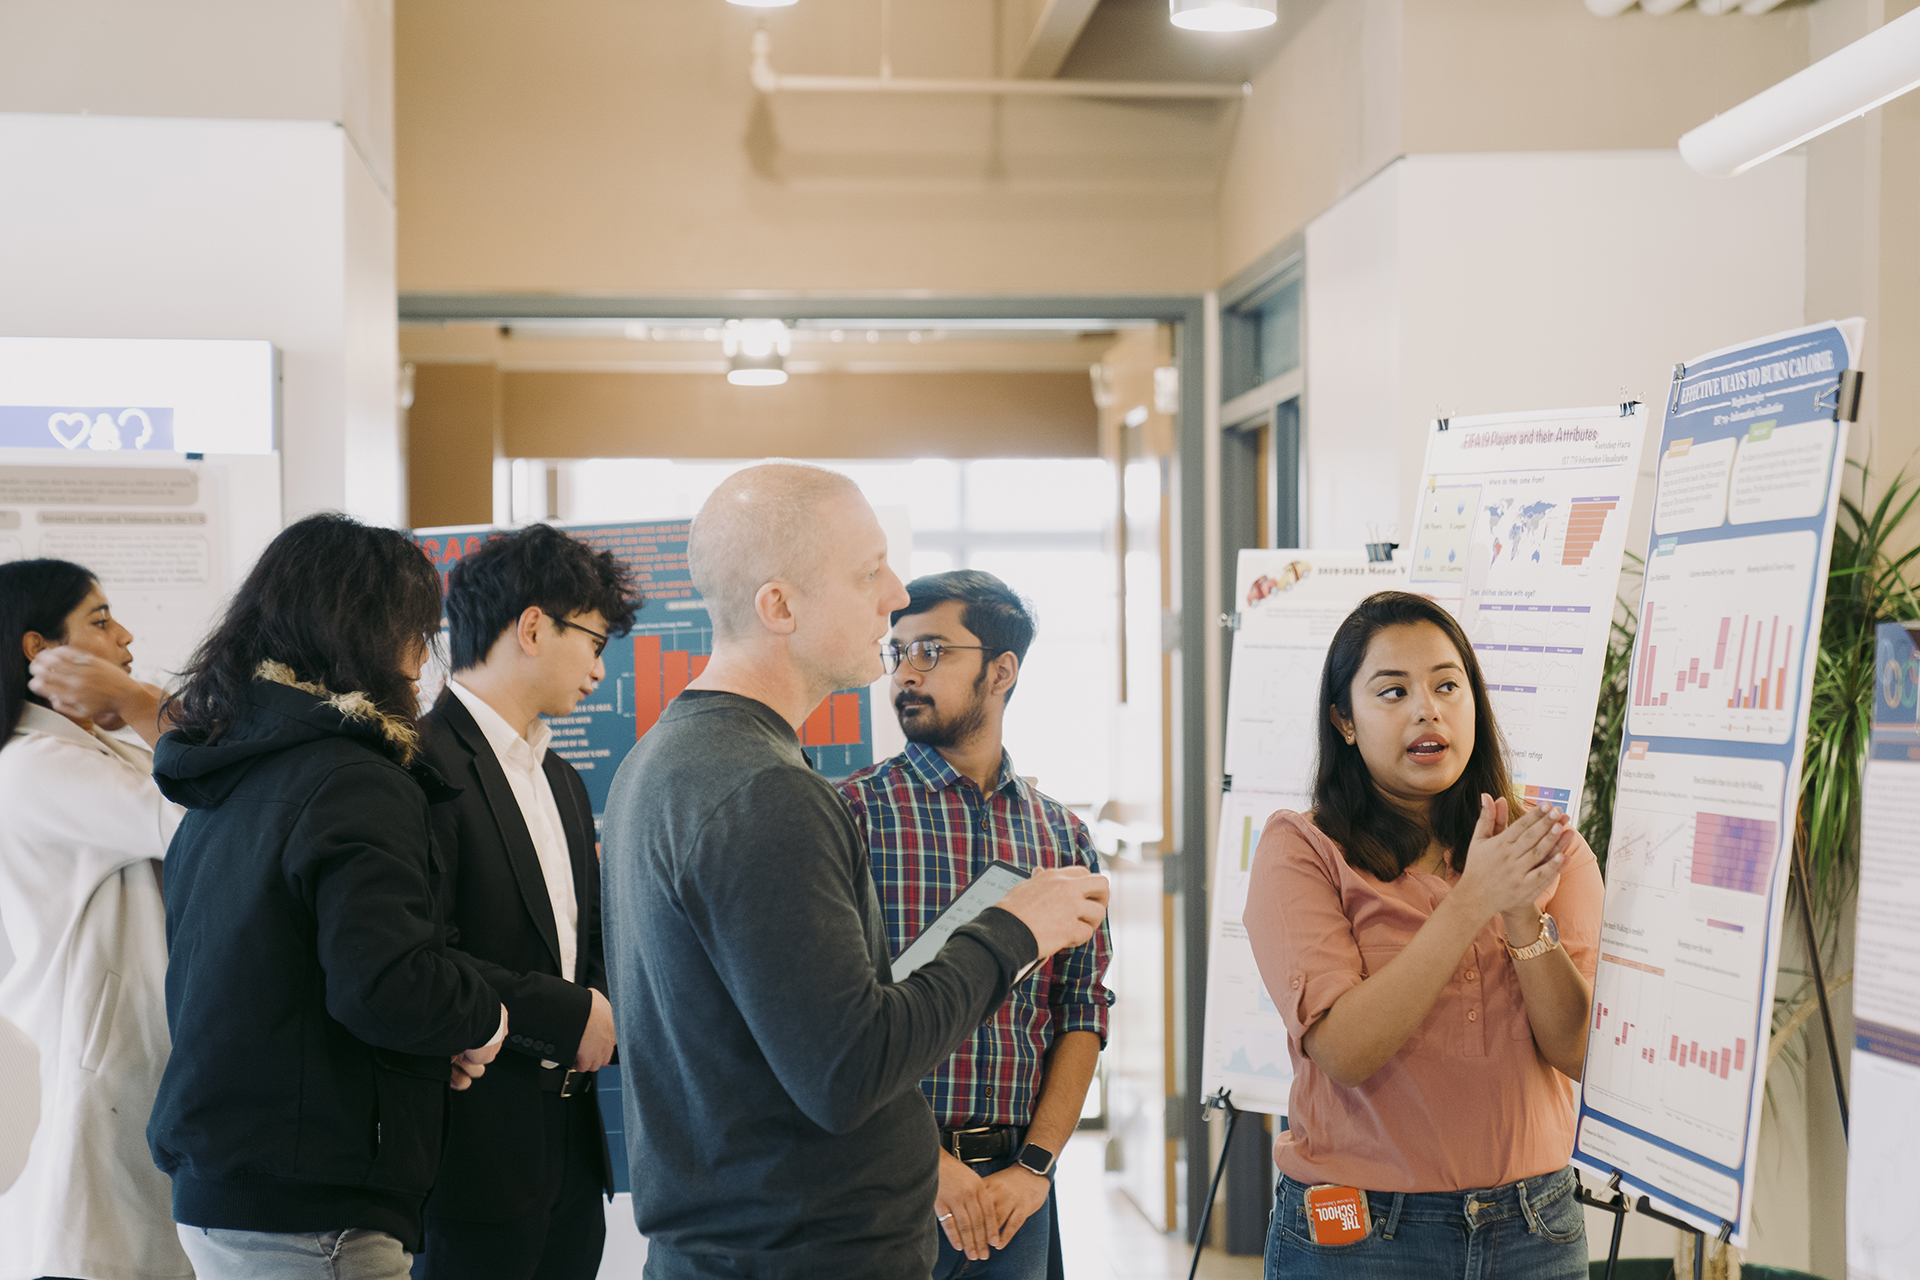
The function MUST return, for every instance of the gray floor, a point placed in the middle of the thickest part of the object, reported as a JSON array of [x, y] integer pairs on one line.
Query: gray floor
[[1104, 1237]]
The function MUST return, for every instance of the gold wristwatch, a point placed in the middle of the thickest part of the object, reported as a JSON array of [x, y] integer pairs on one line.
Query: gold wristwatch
[[1549, 939]]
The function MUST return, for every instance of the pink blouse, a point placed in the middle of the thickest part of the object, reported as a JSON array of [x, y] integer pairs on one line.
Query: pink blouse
[[1468, 1101]]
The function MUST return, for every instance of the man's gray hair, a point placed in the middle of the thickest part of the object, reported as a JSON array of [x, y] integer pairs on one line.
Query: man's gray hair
[[761, 525]]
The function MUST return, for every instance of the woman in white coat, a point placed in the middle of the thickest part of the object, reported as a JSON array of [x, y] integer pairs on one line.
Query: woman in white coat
[[80, 903]]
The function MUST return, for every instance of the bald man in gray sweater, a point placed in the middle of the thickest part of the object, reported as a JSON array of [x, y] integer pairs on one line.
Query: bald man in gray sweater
[[769, 1061]]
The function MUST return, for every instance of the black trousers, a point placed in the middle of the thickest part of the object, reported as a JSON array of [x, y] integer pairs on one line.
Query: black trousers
[[559, 1240]]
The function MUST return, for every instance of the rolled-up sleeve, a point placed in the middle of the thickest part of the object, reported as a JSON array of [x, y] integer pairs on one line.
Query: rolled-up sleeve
[[1298, 927], [1077, 997], [1575, 907]]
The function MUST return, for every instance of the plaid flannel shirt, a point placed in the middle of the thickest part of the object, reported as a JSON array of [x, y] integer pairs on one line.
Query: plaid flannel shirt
[[929, 832]]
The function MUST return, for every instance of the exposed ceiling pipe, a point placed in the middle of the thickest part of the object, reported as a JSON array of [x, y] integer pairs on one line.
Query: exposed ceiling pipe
[[1608, 8], [767, 80]]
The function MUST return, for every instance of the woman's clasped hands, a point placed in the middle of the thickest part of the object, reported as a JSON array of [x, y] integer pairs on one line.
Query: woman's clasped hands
[[1512, 862]]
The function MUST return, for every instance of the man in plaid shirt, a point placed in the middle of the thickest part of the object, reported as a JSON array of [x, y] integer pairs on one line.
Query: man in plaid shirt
[[935, 816]]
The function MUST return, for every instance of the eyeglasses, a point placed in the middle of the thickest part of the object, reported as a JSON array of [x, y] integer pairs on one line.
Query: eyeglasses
[[599, 641], [923, 655]]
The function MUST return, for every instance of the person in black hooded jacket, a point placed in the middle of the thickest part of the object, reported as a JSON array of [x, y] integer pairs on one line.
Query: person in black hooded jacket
[[313, 1004]]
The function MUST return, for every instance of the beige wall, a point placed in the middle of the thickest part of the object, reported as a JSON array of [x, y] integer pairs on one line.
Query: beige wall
[[1324, 117], [1519, 75], [822, 415], [1365, 81], [618, 145]]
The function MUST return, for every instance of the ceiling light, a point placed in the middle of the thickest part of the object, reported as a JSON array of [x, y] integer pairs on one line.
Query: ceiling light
[[1874, 69], [761, 4], [756, 352], [1224, 15]]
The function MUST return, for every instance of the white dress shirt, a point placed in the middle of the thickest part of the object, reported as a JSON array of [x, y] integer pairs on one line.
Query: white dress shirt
[[520, 759]]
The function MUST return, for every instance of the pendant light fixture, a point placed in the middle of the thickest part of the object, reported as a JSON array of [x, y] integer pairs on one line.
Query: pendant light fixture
[[756, 352], [1224, 15]]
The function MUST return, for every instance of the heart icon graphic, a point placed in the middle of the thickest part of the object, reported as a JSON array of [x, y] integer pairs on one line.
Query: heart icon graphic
[[81, 422]]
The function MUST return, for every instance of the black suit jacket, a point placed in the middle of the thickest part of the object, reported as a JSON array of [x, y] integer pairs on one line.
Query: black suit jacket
[[500, 1158]]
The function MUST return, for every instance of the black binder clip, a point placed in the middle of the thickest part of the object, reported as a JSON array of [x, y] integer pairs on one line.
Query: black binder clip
[[1846, 396]]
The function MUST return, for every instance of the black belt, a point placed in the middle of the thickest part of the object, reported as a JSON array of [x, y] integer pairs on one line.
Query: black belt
[[565, 1081], [989, 1142]]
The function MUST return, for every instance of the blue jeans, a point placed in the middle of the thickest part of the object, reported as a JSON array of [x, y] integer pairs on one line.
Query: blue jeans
[[351, 1254], [1533, 1229], [1024, 1258]]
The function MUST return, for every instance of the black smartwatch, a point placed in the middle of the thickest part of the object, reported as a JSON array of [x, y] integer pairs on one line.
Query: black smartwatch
[[1035, 1158]]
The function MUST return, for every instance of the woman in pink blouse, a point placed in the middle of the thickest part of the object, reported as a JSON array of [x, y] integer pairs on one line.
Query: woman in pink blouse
[[1431, 945]]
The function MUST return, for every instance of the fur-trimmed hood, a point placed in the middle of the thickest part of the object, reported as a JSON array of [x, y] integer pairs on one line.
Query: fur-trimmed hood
[[354, 707], [284, 712]]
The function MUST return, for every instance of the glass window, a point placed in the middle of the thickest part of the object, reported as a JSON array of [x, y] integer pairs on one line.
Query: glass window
[[1038, 495], [926, 562], [1279, 328], [1058, 721]]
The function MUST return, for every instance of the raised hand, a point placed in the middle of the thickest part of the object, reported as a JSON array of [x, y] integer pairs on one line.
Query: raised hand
[[1511, 863], [1061, 906]]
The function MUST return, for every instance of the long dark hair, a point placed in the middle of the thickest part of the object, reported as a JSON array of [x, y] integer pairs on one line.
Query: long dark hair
[[1375, 836], [338, 601], [37, 596]]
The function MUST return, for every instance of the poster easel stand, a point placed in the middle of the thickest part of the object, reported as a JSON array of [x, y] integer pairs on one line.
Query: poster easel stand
[[1820, 985], [1219, 1101], [1619, 1207]]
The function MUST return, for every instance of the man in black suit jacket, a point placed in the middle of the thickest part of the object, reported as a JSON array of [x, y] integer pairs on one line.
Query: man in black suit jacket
[[518, 1196]]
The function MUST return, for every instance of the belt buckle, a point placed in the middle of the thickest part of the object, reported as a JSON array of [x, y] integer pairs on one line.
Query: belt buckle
[[568, 1081], [958, 1134]]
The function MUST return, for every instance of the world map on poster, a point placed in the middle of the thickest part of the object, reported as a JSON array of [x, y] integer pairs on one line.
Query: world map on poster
[[1518, 529]]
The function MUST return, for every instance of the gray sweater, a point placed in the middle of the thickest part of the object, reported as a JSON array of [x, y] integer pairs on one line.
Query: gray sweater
[[769, 1062]]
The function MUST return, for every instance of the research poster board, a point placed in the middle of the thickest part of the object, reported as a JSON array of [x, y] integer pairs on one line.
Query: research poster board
[[1520, 531], [150, 462], [1883, 1232], [1290, 602], [1749, 474]]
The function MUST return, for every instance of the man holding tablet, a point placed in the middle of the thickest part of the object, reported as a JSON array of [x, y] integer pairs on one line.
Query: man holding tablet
[[936, 817], [768, 1060]]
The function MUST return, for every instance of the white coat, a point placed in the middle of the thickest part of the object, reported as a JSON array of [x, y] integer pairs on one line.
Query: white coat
[[82, 827]]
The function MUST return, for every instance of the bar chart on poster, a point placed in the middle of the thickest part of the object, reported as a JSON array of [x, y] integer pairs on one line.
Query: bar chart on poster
[[1709, 773], [1290, 603], [1716, 629], [1520, 530]]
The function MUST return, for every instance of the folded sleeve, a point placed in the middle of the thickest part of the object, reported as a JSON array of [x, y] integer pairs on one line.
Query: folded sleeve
[[1575, 906], [1297, 925], [1077, 996]]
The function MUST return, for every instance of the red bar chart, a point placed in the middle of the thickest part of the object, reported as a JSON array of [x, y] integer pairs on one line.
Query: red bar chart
[[659, 675], [1586, 519], [1719, 651]]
